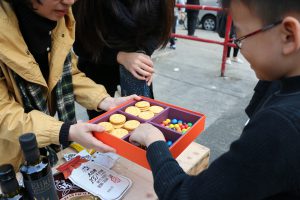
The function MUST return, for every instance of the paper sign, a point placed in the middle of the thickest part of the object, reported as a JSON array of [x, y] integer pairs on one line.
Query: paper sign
[[107, 160], [100, 181]]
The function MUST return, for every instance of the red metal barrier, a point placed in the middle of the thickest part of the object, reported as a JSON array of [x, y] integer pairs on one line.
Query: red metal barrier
[[227, 42]]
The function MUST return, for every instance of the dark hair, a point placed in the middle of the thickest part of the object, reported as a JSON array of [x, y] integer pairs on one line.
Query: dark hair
[[268, 11], [29, 3], [21, 2], [147, 18]]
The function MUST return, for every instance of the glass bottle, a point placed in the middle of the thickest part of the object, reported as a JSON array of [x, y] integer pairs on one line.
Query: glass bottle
[[36, 170], [9, 184]]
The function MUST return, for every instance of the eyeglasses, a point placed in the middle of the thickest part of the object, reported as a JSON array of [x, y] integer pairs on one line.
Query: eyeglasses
[[238, 42]]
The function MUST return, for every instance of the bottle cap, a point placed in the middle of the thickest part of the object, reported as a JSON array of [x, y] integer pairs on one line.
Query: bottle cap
[[28, 142], [8, 180], [30, 147], [7, 172]]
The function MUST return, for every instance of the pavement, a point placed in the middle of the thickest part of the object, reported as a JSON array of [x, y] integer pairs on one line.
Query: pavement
[[190, 77]]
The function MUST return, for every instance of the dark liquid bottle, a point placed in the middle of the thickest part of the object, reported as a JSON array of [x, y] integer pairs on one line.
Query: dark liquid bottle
[[9, 184], [36, 171]]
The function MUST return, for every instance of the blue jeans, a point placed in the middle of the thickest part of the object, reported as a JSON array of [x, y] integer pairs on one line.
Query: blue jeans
[[131, 85]]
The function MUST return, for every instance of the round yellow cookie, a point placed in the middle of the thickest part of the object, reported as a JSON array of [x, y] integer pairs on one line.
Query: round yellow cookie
[[119, 132], [118, 125], [144, 109], [108, 126], [142, 104], [146, 115], [133, 110], [131, 125], [117, 119], [156, 109]]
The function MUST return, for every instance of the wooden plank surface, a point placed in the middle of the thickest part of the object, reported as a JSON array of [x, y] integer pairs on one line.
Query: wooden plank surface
[[193, 160]]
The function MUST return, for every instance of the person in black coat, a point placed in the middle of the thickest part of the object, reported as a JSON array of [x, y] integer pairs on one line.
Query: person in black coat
[[115, 40]]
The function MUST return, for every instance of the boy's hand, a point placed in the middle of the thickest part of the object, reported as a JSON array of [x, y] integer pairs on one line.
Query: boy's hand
[[109, 102], [146, 134], [82, 134]]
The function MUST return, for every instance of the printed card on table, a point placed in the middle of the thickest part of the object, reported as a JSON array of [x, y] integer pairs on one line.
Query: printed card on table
[[107, 160], [100, 181], [66, 190]]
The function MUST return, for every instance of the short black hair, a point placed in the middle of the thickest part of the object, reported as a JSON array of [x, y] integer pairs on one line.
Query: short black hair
[[29, 3], [268, 11], [24, 2]]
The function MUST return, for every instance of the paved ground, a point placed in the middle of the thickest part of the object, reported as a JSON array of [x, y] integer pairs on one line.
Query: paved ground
[[190, 77]]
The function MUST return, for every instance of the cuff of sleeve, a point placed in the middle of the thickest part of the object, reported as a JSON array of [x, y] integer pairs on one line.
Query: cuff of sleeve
[[101, 98], [64, 134], [167, 173], [157, 153]]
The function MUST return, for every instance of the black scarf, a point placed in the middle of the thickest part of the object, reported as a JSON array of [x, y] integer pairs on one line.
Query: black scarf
[[36, 33]]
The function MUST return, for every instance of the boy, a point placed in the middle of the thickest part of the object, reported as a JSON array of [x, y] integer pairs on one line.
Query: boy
[[264, 162]]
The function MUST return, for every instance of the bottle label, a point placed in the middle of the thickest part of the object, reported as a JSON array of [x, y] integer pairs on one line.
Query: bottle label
[[42, 189], [17, 197]]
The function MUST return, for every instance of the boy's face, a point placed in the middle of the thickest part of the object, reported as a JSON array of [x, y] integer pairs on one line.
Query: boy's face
[[52, 9], [265, 51]]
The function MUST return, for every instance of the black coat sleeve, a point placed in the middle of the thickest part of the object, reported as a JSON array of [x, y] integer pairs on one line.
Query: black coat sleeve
[[259, 164]]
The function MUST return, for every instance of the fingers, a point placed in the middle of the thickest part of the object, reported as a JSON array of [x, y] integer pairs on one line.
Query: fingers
[[132, 139], [149, 81], [139, 64], [142, 70], [133, 96], [138, 76], [94, 127], [144, 66], [147, 60], [139, 133], [100, 146], [144, 61], [82, 134]]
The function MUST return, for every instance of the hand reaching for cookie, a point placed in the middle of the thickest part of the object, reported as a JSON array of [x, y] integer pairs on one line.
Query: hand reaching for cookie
[[146, 134], [82, 134], [109, 102]]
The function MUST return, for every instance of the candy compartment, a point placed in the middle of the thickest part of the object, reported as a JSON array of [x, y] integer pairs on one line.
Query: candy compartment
[[170, 135], [177, 120]]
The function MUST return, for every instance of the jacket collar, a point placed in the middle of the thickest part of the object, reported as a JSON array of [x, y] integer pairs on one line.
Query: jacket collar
[[15, 55]]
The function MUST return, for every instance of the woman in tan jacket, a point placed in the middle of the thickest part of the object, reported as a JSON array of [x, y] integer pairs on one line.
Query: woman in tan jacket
[[39, 77]]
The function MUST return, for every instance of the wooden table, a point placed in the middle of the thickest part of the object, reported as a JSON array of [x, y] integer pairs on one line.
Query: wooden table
[[193, 160]]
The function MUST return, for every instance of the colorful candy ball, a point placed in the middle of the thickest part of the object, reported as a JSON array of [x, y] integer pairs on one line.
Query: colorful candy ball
[[174, 121], [169, 143], [177, 125]]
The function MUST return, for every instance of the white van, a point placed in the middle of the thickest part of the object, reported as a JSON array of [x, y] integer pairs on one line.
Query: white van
[[207, 19]]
